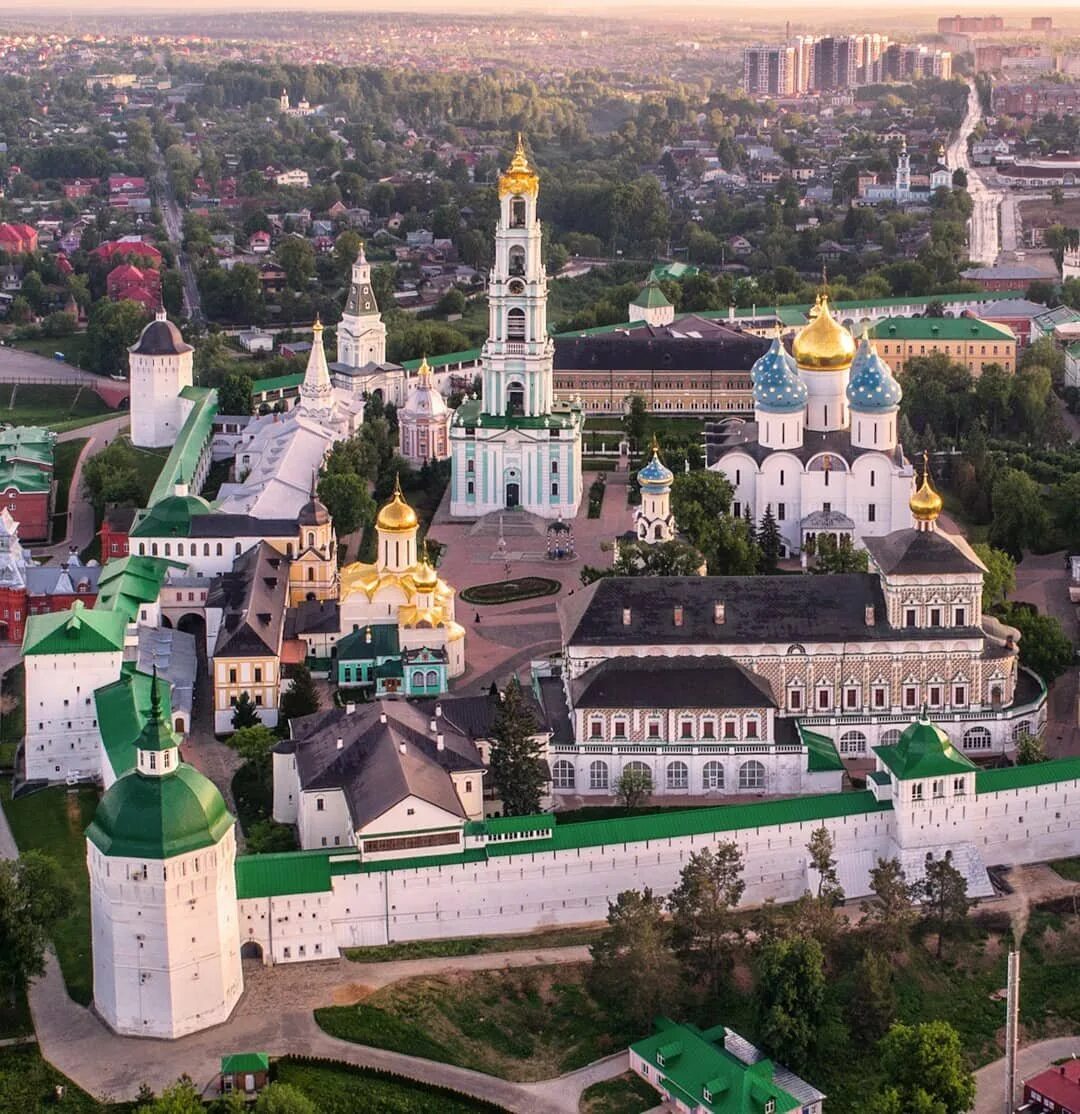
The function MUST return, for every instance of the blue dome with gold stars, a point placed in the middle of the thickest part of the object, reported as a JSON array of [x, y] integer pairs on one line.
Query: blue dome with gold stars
[[778, 387], [655, 476], [872, 386]]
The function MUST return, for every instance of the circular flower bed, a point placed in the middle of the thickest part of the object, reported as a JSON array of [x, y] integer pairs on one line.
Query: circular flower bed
[[510, 591]]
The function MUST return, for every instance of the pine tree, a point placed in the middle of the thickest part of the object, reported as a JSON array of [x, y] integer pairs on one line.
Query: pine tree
[[748, 518], [769, 540], [303, 698], [516, 765], [245, 714], [945, 899]]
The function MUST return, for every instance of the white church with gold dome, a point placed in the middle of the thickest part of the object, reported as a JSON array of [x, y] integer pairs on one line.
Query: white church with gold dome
[[823, 451], [398, 632]]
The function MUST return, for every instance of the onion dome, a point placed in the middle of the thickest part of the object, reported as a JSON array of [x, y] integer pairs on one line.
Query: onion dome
[[872, 386], [777, 386], [824, 344], [655, 477], [313, 512], [925, 504], [519, 179], [425, 578], [397, 517]]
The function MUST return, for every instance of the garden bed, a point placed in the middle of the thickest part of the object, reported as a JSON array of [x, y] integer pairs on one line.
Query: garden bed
[[510, 591], [474, 945]]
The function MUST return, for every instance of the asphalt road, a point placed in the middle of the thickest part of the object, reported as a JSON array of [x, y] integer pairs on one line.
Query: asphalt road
[[983, 227]]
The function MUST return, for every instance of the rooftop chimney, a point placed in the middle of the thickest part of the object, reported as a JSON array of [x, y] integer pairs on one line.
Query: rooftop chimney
[[349, 709], [434, 725], [438, 711], [382, 717], [341, 744], [626, 616], [719, 613], [678, 616], [868, 615], [439, 743]]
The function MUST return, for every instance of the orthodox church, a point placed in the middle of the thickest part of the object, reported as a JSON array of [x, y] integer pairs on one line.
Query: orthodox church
[[517, 447], [424, 421], [823, 451]]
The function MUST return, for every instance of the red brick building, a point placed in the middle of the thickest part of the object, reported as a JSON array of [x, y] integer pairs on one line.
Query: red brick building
[[114, 532], [136, 284], [117, 250]]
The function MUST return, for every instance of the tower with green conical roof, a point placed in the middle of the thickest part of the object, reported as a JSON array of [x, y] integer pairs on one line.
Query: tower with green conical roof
[[160, 853]]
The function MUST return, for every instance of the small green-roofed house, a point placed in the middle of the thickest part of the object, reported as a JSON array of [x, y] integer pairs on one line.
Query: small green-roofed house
[[717, 1072], [674, 271], [924, 751], [245, 1073]]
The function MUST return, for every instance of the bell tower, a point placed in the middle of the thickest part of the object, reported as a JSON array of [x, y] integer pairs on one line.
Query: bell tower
[[361, 334], [518, 353]]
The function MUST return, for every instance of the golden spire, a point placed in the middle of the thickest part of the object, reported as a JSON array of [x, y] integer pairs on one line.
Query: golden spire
[[423, 373], [317, 328], [824, 344], [925, 504], [519, 179]]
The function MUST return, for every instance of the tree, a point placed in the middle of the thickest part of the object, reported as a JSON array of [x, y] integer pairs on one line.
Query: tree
[[1020, 520], [517, 767], [636, 939], [945, 899], [892, 912], [346, 497], [789, 998], [234, 394], [245, 714], [112, 476], [34, 895], [254, 743], [634, 787], [636, 420], [873, 999], [302, 699], [674, 558], [1000, 576], [1030, 749], [297, 259], [281, 1098], [820, 849], [181, 1098], [111, 329], [838, 557], [769, 541], [927, 1058], [1044, 645], [266, 837], [701, 906]]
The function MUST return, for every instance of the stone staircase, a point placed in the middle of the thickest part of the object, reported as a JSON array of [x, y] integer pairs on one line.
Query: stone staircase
[[964, 856]]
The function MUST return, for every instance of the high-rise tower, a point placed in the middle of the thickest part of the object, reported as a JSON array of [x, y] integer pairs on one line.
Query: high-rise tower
[[516, 448]]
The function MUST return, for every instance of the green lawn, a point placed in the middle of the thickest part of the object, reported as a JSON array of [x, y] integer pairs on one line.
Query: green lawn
[[522, 1024], [53, 821], [1068, 868], [73, 347], [510, 591], [65, 457], [49, 404], [625, 1094], [473, 945], [342, 1089], [27, 1083]]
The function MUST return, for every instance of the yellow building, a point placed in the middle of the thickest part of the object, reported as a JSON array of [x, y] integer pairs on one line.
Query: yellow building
[[965, 340], [313, 573]]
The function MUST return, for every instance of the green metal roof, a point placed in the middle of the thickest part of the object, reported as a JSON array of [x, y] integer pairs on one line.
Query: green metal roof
[[28, 442], [822, 755], [473, 415], [355, 647], [145, 817], [23, 477], [277, 382], [924, 750], [290, 872], [390, 669], [1024, 777], [674, 271], [77, 631], [697, 1066], [240, 1063], [651, 297], [535, 822], [184, 456], [170, 517], [940, 328], [129, 582], [469, 355], [123, 708]]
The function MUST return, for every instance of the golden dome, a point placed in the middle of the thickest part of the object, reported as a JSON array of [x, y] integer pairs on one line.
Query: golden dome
[[425, 578], [824, 344], [520, 179], [397, 517], [925, 504]]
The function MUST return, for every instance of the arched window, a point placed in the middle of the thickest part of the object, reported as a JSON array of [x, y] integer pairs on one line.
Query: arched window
[[206, 549], [598, 775], [890, 738], [219, 549], [678, 775], [432, 678], [515, 324], [517, 212], [853, 742], [153, 549], [142, 549], [237, 549], [515, 399], [752, 775], [1020, 729], [712, 777], [418, 678], [517, 261], [977, 738], [639, 768], [562, 774], [311, 572], [311, 540], [179, 549]]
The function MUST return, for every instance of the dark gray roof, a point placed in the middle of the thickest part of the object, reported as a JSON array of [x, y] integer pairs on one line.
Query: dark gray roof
[[916, 552], [722, 440], [380, 764], [556, 710], [658, 682], [473, 716], [313, 617], [215, 525], [160, 338], [689, 344], [252, 596]]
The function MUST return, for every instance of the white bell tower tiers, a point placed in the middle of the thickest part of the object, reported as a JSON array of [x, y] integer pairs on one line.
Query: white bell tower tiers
[[361, 334]]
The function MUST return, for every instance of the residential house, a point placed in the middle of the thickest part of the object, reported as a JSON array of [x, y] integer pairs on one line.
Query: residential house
[[1054, 1091]]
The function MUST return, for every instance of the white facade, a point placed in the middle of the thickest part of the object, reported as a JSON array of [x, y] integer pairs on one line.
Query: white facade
[[424, 421], [515, 448], [160, 368], [361, 334], [165, 940]]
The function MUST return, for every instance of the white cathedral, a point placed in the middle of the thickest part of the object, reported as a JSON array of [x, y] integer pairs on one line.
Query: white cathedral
[[516, 447], [823, 452]]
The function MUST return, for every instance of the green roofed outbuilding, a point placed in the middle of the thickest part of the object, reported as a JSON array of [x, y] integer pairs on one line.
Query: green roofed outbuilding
[[78, 630], [922, 751]]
